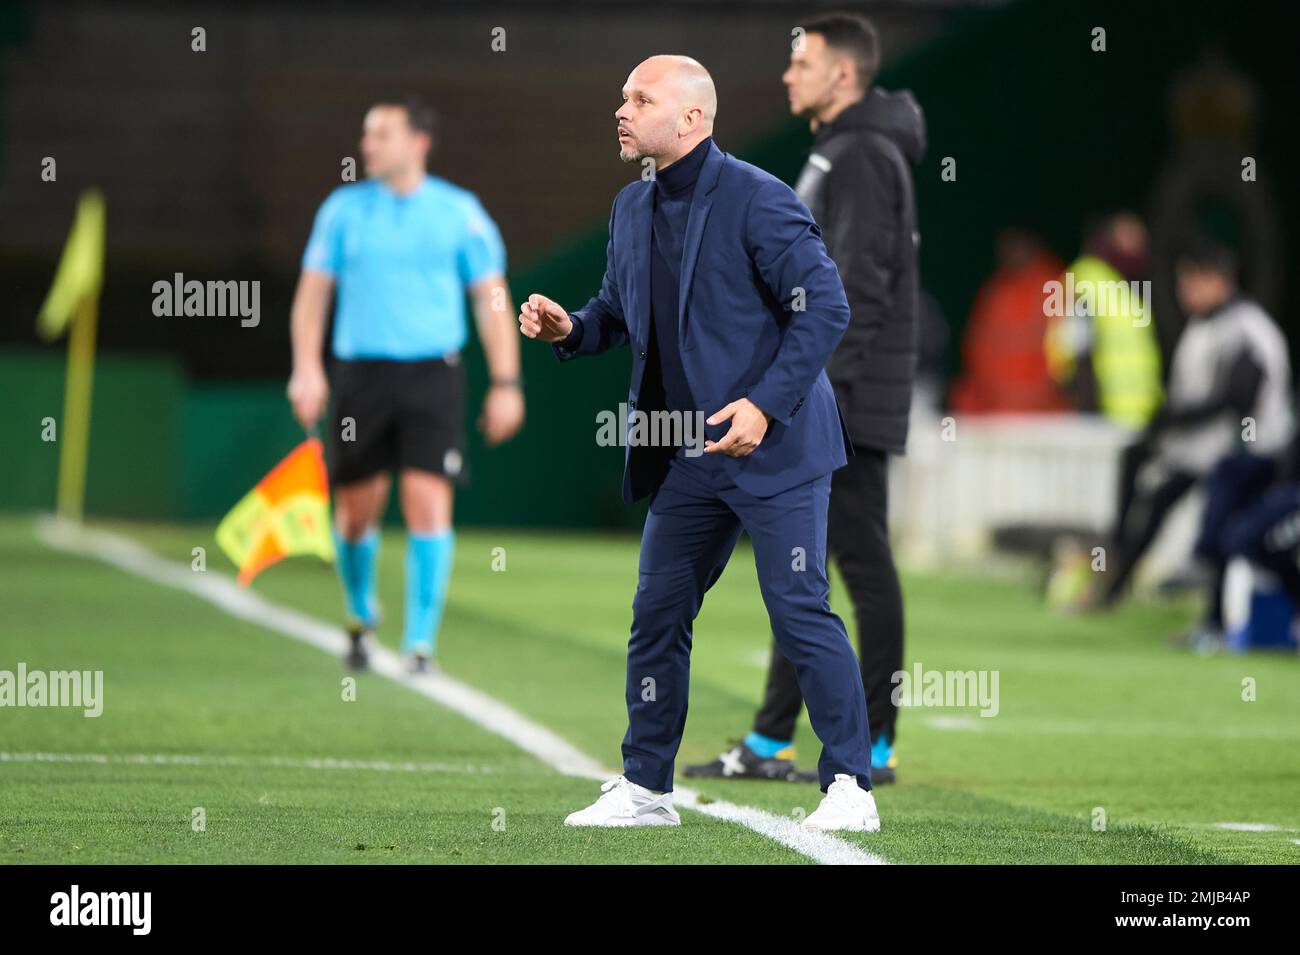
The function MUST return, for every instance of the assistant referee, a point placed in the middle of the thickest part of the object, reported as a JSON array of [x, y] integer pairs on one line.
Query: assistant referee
[[400, 250]]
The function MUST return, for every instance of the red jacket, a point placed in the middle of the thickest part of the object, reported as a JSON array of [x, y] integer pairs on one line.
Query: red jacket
[[1005, 365]]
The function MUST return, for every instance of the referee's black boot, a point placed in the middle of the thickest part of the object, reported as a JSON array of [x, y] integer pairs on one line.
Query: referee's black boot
[[421, 664], [357, 658]]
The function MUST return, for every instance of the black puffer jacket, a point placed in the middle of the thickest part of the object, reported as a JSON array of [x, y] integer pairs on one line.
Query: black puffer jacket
[[858, 185]]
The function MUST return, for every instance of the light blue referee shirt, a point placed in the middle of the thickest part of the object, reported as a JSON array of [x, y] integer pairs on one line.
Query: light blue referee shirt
[[401, 265]]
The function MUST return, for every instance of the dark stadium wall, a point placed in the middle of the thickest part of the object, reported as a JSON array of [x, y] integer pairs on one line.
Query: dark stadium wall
[[213, 164], [135, 447]]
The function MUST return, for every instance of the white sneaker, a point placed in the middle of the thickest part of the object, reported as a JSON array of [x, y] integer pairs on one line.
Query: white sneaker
[[624, 803], [847, 807]]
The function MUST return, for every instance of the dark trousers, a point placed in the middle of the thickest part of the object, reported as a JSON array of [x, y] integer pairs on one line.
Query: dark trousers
[[695, 519], [1147, 493], [1230, 489], [1268, 533], [859, 541]]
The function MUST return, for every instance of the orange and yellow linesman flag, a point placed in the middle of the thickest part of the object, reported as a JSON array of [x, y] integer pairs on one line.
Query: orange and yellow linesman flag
[[288, 513]]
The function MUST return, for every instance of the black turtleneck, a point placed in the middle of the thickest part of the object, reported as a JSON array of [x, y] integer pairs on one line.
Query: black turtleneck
[[674, 187]]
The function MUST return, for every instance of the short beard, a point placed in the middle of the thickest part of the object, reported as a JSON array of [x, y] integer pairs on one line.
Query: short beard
[[642, 149]]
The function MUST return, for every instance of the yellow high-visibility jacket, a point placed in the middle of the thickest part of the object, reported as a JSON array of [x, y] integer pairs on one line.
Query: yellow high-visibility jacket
[[1105, 315]]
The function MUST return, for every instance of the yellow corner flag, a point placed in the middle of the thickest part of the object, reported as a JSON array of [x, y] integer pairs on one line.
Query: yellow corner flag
[[74, 301], [81, 270], [287, 513]]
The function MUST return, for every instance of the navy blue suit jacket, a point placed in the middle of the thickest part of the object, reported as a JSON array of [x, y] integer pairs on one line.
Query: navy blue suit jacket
[[761, 309]]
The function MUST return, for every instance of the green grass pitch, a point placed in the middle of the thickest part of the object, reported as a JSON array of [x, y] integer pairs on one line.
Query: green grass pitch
[[203, 710]]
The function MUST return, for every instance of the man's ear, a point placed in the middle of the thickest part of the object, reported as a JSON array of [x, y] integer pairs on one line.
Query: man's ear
[[848, 73], [428, 139]]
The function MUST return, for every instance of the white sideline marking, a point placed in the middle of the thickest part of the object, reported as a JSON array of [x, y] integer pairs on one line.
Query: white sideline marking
[[962, 724], [277, 762], [1098, 727], [222, 591], [1252, 827]]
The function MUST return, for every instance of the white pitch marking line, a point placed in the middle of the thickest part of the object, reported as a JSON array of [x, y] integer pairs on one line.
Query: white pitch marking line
[[275, 762], [1252, 827], [1004, 724], [493, 715], [957, 723]]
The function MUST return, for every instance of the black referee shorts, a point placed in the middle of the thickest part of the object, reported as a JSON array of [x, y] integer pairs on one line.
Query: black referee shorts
[[397, 414]]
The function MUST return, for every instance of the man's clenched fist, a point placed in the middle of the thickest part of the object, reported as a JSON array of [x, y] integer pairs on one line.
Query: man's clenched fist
[[539, 317], [309, 390]]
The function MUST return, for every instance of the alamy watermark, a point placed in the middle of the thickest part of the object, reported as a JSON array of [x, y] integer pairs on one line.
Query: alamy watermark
[[213, 299], [947, 688], [1086, 298], [651, 429], [82, 689], [75, 907]]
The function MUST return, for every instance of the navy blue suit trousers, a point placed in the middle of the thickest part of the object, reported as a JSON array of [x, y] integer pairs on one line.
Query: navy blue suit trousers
[[695, 518]]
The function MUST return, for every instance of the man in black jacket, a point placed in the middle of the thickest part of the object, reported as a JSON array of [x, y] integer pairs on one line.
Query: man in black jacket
[[858, 185]]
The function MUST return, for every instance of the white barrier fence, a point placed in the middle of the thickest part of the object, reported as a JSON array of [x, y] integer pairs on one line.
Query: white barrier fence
[[964, 476]]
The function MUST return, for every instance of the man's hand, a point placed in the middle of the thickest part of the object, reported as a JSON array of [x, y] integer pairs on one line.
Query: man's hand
[[308, 391], [748, 425], [539, 317], [503, 414]]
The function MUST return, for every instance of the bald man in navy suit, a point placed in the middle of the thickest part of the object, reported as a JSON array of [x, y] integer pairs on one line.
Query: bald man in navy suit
[[717, 278]]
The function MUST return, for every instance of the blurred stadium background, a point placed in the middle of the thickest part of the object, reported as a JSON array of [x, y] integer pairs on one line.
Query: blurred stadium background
[[212, 164]]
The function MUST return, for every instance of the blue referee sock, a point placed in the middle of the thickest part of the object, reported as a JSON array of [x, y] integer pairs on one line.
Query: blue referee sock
[[765, 746], [357, 569], [428, 569]]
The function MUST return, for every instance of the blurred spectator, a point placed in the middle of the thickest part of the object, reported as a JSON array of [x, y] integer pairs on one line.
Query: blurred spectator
[[1005, 365], [1102, 349], [1228, 414]]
